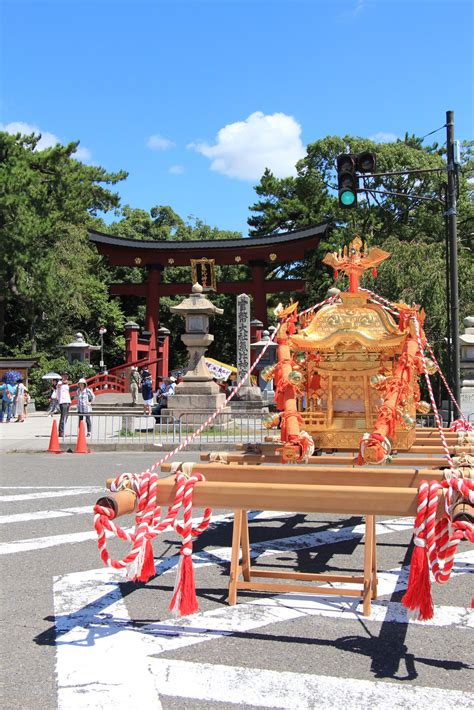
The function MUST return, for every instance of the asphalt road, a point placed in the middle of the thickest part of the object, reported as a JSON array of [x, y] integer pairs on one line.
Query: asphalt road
[[75, 635]]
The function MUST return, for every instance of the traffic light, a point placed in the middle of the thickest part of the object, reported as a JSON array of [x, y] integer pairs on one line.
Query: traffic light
[[366, 162], [348, 165], [347, 180]]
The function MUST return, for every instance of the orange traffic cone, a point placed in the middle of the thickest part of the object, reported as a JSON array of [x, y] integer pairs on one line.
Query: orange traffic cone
[[54, 447], [81, 446]]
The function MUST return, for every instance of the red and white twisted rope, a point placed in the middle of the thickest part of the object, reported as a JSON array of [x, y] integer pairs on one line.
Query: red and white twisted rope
[[439, 423], [453, 398], [187, 532]]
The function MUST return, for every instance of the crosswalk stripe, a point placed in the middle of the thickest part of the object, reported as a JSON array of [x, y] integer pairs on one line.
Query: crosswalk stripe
[[293, 691], [44, 515], [48, 494]]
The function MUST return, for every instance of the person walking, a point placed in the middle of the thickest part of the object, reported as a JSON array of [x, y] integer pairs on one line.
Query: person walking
[[85, 398], [21, 393], [64, 401], [8, 393], [53, 406], [147, 392], [135, 382]]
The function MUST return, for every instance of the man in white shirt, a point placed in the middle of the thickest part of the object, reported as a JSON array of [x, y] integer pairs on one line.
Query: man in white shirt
[[64, 401]]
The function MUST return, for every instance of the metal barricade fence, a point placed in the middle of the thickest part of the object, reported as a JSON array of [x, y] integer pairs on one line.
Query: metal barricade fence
[[132, 428], [125, 428], [227, 427]]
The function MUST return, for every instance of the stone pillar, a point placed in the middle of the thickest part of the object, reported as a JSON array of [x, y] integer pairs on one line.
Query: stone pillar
[[243, 336], [249, 397]]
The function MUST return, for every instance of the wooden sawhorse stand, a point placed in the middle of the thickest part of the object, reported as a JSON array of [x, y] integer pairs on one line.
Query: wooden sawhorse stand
[[367, 582]]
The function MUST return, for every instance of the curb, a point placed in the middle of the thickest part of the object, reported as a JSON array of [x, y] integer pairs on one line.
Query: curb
[[105, 448]]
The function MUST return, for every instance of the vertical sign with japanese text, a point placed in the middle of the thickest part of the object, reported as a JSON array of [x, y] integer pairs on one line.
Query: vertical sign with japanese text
[[243, 335]]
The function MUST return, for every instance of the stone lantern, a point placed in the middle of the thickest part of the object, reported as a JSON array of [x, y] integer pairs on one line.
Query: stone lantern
[[79, 350], [267, 360], [198, 391], [467, 368]]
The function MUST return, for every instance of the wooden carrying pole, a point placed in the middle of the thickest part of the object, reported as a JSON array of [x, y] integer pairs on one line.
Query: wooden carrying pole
[[364, 491]]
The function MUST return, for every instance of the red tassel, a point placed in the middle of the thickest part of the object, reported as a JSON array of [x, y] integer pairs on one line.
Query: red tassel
[[374, 272], [184, 599], [188, 603], [418, 595], [148, 569], [336, 275]]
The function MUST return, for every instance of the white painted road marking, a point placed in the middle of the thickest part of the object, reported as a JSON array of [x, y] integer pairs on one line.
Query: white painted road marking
[[48, 494], [44, 515], [294, 691], [92, 618]]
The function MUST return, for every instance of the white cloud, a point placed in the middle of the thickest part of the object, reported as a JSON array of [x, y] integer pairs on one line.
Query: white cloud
[[245, 148], [83, 154], [176, 169], [157, 142], [382, 137], [47, 140]]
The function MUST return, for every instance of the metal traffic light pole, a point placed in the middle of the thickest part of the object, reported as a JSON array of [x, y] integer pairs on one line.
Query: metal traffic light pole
[[451, 223]]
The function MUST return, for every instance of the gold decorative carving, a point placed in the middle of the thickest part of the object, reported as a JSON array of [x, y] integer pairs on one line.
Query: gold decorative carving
[[137, 260], [204, 272]]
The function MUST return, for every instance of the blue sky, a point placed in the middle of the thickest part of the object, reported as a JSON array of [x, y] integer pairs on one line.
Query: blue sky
[[194, 98]]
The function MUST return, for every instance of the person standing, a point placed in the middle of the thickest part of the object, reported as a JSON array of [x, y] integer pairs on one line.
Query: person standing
[[147, 392], [20, 399], [64, 401], [85, 398], [8, 393], [135, 382]]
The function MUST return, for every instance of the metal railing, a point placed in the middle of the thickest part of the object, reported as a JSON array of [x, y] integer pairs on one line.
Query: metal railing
[[129, 427]]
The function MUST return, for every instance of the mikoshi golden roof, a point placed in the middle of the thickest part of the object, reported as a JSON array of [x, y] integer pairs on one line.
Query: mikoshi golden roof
[[353, 322]]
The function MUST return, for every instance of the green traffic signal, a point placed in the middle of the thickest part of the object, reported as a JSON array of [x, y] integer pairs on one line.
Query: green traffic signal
[[347, 198]]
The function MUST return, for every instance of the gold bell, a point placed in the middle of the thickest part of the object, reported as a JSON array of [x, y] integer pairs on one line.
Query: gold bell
[[377, 380], [431, 366], [423, 407], [267, 373], [295, 378], [267, 421]]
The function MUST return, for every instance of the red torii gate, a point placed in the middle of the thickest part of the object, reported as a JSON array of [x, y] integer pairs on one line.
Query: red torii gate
[[257, 252]]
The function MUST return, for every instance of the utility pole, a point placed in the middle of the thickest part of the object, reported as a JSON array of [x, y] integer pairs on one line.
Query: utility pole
[[451, 223]]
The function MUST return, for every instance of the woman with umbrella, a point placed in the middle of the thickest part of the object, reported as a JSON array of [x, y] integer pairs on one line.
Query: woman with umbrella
[[53, 407]]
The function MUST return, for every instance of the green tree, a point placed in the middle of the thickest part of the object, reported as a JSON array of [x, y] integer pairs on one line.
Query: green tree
[[53, 282]]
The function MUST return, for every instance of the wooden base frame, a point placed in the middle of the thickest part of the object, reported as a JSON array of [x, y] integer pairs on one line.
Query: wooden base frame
[[242, 574]]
